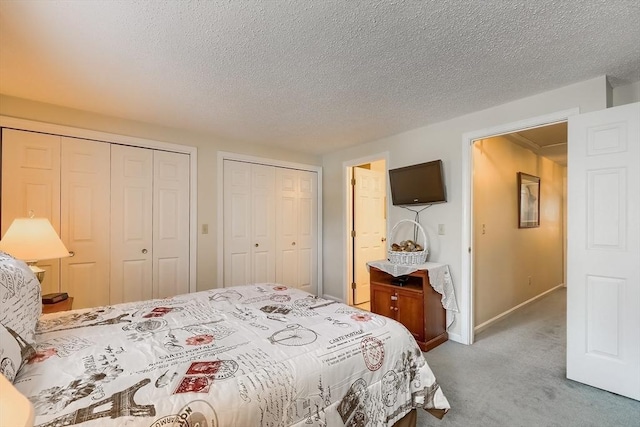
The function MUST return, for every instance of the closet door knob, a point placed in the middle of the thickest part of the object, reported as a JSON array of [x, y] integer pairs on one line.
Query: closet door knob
[[144, 251], [293, 243], [257, 245], [72, 253]]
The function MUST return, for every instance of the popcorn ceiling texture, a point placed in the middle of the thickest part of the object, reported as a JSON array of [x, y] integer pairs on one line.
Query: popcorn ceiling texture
[[314, 76]]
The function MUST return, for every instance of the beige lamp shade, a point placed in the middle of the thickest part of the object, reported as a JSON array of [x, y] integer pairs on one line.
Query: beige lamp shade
[[33, 239]]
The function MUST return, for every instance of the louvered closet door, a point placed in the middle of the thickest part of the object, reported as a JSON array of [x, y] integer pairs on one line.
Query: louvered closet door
[[85, 223], [296, 230], [170, 224], [31, 183], [131, 224]]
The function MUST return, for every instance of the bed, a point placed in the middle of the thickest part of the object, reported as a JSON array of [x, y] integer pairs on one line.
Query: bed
[[259, 355]]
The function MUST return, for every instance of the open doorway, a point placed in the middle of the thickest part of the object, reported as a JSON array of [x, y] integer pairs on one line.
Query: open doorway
[[367, 224], [515, 264], [466, 316]]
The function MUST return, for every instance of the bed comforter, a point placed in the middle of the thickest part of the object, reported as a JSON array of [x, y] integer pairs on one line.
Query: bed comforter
[[259, 355]]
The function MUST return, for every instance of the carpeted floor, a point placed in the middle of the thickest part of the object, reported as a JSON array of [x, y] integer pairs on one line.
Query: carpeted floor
[[515, 375]]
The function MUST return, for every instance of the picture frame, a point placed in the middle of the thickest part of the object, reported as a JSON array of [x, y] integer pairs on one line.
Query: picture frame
[[528, 200]]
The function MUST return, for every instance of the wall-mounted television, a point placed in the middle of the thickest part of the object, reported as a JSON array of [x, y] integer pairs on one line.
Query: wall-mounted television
[[419, 184]]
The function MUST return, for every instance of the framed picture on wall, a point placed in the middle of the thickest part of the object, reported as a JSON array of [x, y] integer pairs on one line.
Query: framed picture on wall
[[528, 201]]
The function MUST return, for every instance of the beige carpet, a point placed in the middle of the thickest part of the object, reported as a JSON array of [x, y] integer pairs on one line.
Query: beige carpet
[[515, 375]]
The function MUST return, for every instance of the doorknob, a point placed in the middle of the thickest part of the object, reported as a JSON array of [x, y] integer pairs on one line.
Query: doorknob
[[257, 245], [293, 243], [144, 251], [384, 239], [72, 253]]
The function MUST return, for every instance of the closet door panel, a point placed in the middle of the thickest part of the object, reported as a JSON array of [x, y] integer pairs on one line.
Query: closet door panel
[[85, 222], [263, 224], [287, 227], [307, 231], [237, 223], [170, 224], [131, 224], [31, 183]]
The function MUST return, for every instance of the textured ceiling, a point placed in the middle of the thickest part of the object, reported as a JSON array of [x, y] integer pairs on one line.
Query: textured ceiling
[[314, 76]]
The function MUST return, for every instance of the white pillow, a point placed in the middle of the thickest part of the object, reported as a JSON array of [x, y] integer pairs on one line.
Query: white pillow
[[20, 301]]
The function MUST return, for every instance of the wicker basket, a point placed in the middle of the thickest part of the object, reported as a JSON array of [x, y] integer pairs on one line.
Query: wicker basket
[[408, 258]]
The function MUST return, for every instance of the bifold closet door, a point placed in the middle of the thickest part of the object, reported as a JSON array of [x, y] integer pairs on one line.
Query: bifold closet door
[[131, 224], [170, 224], [31, 184], [85, 223], [249, 223], [296, 228]]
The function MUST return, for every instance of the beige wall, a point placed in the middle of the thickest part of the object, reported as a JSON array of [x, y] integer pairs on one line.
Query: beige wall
[[505, 256], [439, 141], [208, 147]]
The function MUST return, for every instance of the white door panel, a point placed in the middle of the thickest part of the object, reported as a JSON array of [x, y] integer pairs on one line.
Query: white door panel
[[249, 220], [31, 183], [603, 306], [369, 225], [296, 214], [85, 186], [170, 224], [131, 224]]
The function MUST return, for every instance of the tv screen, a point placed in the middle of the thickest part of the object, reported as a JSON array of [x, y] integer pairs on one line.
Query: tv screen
[[418, 184]]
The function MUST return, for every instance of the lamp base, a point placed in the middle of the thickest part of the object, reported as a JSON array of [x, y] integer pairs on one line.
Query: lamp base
[[37, 271]]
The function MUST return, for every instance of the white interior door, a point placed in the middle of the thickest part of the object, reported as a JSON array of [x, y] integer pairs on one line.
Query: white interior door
[[262, 220], [296, 229], [369, 224], [31, 183], [237, 223], [170, 224], [603, 289], [307, 231], [131, 223], [85, 222]]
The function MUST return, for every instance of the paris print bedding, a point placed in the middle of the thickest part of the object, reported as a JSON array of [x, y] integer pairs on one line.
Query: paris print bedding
[[259, 355]]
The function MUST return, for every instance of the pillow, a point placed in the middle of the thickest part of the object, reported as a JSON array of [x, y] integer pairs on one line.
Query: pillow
[[20, 300], [10, 354]]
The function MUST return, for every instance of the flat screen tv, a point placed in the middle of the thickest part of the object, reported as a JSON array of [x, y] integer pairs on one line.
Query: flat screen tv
[[418, 184]]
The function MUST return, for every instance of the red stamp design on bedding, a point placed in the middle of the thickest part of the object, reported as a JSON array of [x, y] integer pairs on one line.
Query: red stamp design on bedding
[[373, 352], [218, 369], [42, 355], [361, 317], [158, 312], [280, 288], [193, 385], [200, 339]]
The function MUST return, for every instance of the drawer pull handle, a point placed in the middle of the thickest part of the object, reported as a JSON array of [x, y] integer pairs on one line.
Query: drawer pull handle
[[394, 298]]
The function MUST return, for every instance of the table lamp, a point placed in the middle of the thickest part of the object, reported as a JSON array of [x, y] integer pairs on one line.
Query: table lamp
[[32, 240]]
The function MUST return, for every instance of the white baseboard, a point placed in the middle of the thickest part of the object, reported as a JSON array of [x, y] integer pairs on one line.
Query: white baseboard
[[491, 321], [332, 298]]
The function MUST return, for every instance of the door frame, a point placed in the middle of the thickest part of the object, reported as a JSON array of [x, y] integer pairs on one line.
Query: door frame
[[113, 138], [347, 242], [467, 324], [226, 155]]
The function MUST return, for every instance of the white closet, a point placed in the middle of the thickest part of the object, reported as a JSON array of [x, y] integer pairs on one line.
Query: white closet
[[270, 225], [122, 211]]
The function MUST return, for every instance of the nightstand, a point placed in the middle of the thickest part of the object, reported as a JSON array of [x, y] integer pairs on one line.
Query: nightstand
[[59, 306]]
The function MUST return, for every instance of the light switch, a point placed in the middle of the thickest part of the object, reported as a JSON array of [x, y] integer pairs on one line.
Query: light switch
[[205, 228]]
